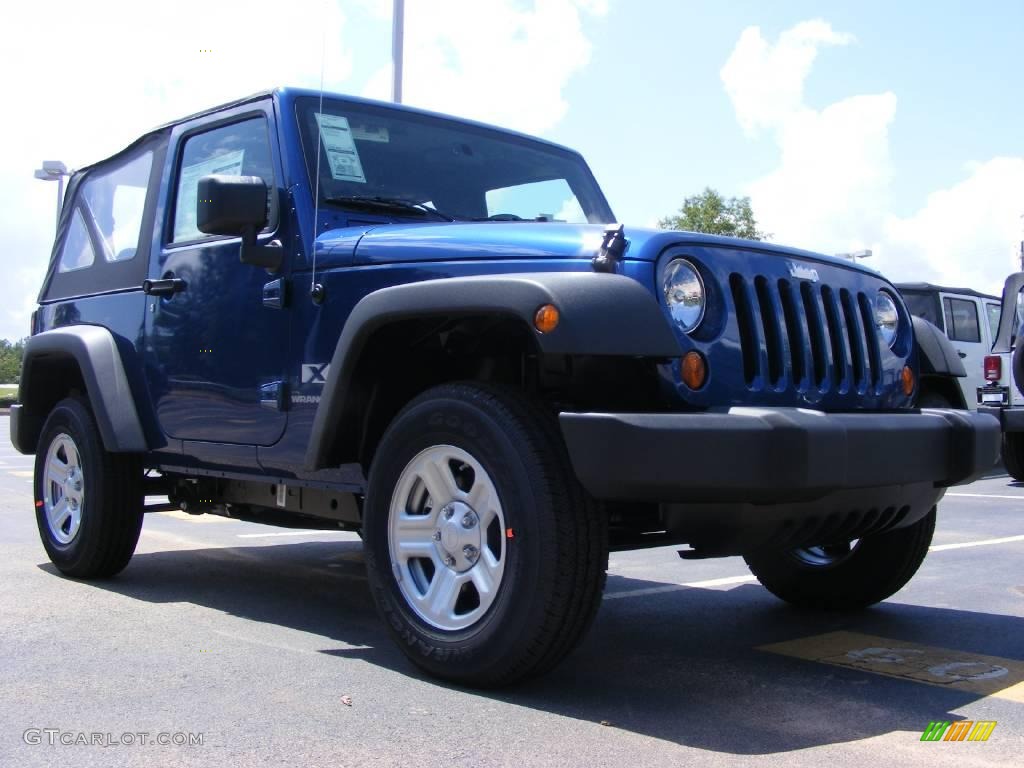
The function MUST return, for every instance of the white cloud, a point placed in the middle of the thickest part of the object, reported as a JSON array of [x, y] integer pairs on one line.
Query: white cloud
[[831, 186], [964, 235], [830, 191], [501, 61], [765, 82]]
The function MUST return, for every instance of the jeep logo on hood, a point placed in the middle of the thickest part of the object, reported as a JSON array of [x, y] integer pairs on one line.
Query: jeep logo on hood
[[801, 272]]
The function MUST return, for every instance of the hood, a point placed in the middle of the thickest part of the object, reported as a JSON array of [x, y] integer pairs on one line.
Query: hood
[[461, 241]]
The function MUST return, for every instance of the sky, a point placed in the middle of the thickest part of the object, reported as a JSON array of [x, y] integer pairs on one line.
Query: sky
[[897, 127]]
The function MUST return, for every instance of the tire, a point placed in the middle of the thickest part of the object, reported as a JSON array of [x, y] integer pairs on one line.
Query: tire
[[527, 596], [1013, 454], [829, 578], [89, 502], [934, 400]]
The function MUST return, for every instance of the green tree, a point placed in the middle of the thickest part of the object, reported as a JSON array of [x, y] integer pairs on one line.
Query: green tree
[[10, 361], [711, 213]]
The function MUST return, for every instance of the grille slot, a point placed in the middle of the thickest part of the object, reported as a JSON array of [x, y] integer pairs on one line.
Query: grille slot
[[794, 332], [867, 315], [816, 332], [750, 343], [854, 335], [772, 334]]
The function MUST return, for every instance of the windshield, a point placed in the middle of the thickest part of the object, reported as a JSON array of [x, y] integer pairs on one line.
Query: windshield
[[466, 172]]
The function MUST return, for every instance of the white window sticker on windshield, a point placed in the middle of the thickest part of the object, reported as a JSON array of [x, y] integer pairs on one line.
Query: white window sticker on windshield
[[376, 133], [340, 147], [230, 164]]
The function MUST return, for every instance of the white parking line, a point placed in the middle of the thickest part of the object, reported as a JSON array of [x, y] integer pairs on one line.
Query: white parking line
[[710, 583], [676, 587], [286, 533], [982, 543], [985, 496]]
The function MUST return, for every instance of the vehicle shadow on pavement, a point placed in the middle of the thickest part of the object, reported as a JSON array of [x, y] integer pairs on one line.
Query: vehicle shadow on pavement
[[682, 666]]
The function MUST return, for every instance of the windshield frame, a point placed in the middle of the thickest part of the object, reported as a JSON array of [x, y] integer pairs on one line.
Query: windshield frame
[[590, 196]]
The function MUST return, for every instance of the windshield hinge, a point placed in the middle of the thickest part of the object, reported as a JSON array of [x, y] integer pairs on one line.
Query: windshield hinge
[[612, 248]]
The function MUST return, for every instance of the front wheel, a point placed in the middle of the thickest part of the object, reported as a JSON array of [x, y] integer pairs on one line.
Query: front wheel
[[484, 556], [845, 575]]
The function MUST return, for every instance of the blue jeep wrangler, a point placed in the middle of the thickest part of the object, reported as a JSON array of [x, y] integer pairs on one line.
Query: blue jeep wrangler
[[319, 311]]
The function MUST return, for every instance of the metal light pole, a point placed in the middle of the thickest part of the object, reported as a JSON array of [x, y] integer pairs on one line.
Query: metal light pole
[[865, 254], [54, 170], [397, 40]]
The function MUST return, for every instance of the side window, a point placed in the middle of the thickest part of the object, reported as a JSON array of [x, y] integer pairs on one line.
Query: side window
[[551, 200], [115, 201], [77, 252], [993, 311], [961, 320], [924, 304], [239, 149]]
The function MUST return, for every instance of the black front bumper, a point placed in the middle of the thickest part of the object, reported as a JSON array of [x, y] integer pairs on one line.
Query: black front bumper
[[769, 456]]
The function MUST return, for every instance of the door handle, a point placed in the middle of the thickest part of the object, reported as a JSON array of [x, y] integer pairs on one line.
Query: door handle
[[962, 355], [167, 286]]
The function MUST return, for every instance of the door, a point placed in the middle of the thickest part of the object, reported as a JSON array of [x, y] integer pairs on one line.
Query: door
[[966, 327], [217, 352]]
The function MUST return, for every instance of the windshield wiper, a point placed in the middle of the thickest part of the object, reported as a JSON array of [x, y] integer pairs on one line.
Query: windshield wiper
[[386, 203]]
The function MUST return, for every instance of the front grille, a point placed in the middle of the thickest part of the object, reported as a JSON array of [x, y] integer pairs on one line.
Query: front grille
[[795, 333]]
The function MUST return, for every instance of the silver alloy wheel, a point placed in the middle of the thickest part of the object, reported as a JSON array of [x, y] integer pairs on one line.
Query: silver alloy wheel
[[826, 555], [63, 489], [446, 537]]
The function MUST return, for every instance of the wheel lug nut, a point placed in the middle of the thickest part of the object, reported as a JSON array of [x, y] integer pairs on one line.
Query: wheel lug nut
[[449, 561], [448, 513], [468, 521], [437, 535], [470, 552]]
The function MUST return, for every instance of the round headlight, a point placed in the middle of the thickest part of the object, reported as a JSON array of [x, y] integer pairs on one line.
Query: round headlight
[[887, 317], [684, 294]]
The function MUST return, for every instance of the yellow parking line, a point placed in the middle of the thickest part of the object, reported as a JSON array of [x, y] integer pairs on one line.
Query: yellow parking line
[[951, 669], [22, 473]]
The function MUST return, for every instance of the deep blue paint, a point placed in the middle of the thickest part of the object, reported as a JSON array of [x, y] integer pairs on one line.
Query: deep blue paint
[[190, 395]]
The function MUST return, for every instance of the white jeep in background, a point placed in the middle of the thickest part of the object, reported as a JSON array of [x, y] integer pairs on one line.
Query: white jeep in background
[[970, 320], [1001, 393]]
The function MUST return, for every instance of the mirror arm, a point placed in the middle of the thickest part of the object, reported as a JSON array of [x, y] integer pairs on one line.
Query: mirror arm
[[269, 256]]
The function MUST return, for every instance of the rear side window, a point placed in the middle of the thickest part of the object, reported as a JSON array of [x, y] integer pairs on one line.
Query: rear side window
[[77, 252], [239, 149], [115, 201], [961, 320], [924, 304], [993, 311]]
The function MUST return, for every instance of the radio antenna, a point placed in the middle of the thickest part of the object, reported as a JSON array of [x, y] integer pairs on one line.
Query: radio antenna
[[316, 291]]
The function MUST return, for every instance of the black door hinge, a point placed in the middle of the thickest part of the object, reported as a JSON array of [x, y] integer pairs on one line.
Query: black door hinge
[[612, 249]]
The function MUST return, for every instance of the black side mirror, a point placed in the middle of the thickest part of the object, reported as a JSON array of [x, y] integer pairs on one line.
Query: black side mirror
[[237, 205]]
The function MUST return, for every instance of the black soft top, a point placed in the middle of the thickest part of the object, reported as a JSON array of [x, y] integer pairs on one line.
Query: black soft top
[[944, 288]]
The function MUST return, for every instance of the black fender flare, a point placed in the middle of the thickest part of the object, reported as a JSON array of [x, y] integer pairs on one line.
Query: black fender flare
[[937, 356], [601, 314], [94, 350]]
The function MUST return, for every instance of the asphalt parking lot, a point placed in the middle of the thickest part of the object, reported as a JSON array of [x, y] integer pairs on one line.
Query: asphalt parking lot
[[264, 643]]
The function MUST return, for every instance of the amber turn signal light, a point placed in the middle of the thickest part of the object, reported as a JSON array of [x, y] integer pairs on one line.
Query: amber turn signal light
[[546, 319], [694, 370], [907, 379]]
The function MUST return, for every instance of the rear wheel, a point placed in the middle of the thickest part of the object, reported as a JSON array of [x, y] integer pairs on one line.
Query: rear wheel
[[845, 575], [934, 400], [484, 556], [89, 502], [1013, 454]]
